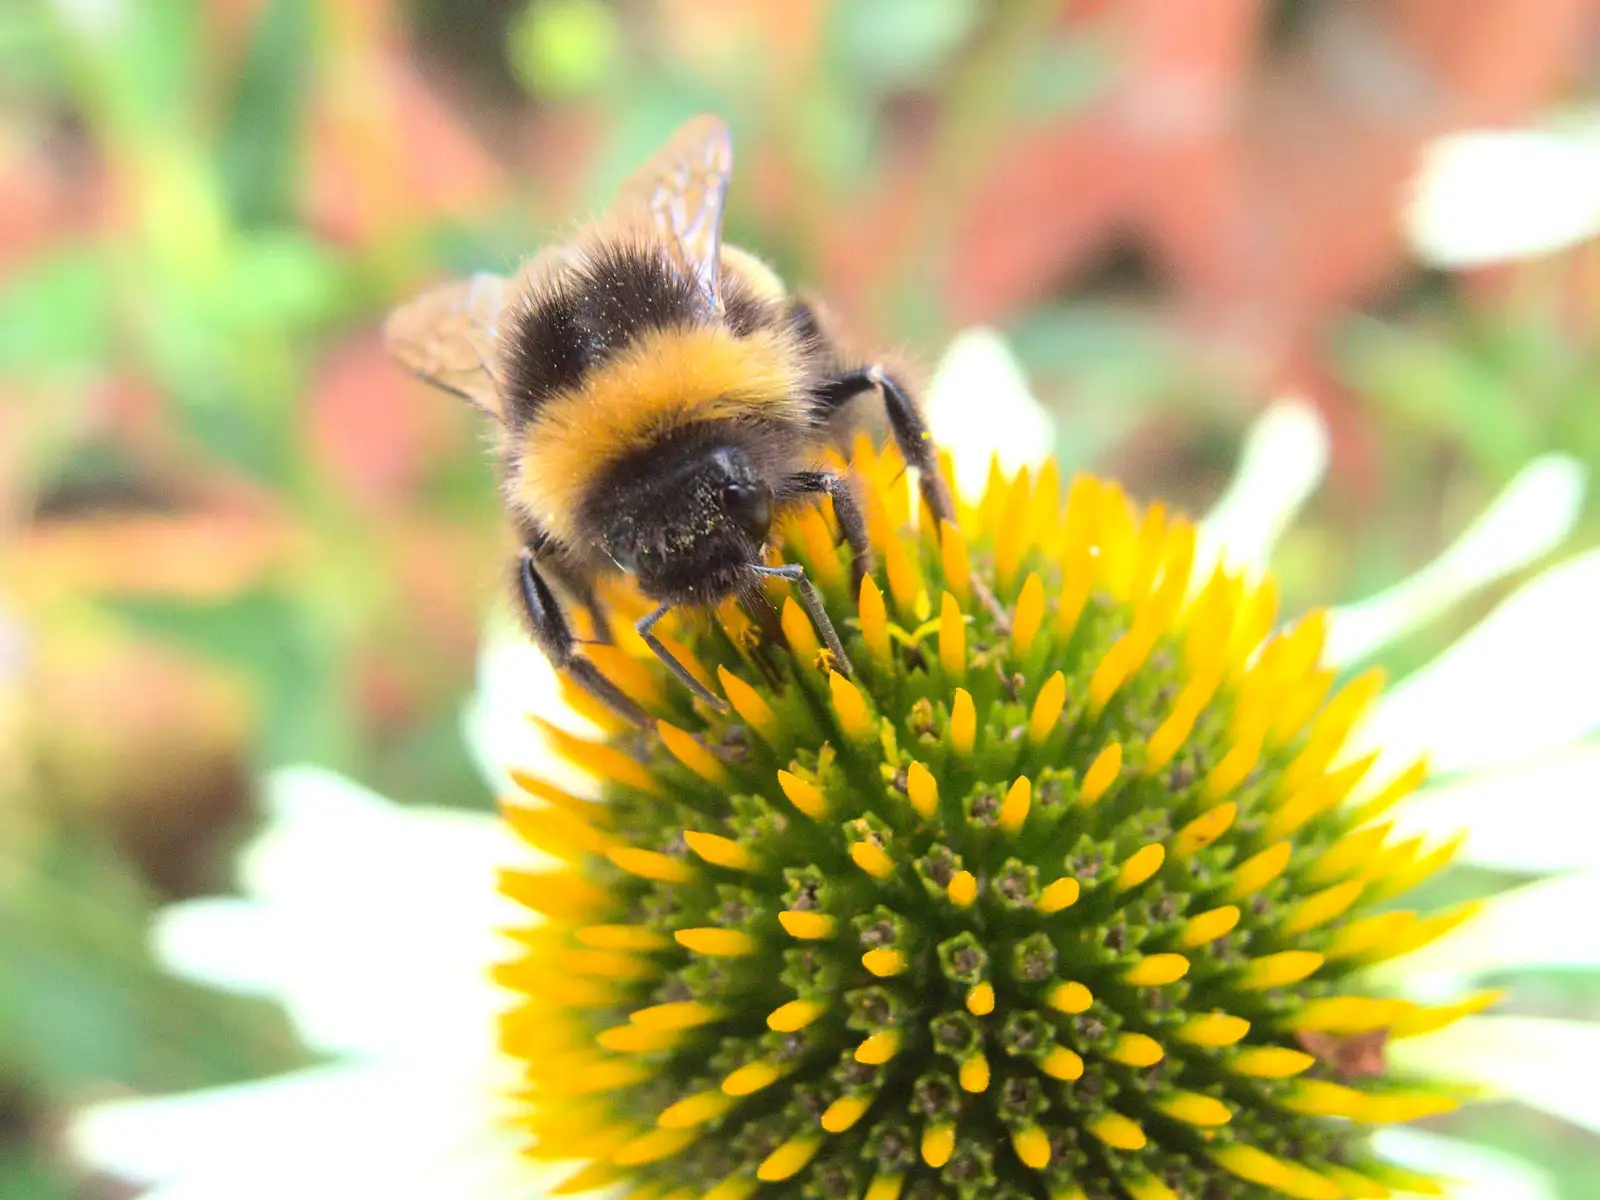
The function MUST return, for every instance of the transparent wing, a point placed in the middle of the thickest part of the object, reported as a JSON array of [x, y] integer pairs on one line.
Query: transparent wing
[[450, 336], [680, 192]]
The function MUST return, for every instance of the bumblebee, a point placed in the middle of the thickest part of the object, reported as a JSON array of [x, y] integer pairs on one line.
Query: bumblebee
[[657, 398]]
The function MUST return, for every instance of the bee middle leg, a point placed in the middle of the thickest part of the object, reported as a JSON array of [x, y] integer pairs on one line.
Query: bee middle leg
[[646, 625], [847, 510], [812, 603], [550, 630]]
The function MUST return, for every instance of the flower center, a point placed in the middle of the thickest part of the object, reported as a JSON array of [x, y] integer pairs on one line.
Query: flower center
[[1056, 896]]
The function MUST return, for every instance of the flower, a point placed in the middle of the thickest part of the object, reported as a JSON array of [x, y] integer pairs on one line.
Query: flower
[[980, 908], [1484, 196]]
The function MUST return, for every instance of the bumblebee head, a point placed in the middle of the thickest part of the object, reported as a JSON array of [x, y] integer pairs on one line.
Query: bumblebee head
[[689, 524]]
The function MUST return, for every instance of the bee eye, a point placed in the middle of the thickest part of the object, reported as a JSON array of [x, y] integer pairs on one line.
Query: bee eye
[[750, 506]]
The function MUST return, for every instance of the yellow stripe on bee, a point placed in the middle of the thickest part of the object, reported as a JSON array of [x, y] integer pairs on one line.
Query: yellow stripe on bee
[[922, 789], [963, 722], [952, 638], [804, 795], [717, 943], [1028, 617], [954, 563], [751, 706], [875, 622], [851, 708], [1014, 809], [1102, 773], [664, 380]]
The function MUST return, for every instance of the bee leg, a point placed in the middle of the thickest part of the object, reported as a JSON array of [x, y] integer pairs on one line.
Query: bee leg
[[555, 568], [812, 603], [555, 639], [905, 422], [848, 511], [916, 445], [647, 623]]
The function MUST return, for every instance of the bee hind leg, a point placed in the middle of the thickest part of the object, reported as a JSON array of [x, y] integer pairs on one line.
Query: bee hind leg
[[905, 422], [555, 638]]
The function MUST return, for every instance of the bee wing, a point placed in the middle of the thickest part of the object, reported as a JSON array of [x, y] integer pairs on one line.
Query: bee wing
[[680, 193], [450, 336]]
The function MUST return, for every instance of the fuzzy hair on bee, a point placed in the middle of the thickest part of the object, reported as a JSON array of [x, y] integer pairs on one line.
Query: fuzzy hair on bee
[[658, 398]]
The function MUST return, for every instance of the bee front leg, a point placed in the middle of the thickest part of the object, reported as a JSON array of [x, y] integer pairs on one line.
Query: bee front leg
[[646, 626], [550, 630], [852, 526], [905, 422]]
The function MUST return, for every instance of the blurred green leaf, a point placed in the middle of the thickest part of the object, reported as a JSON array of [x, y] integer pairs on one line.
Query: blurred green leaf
[[1062, 78], [881, 45], [261, 148], [55, 313], [561, 49]]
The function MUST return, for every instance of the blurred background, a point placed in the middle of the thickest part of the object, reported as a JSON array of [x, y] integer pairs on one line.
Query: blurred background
[[233, 536]]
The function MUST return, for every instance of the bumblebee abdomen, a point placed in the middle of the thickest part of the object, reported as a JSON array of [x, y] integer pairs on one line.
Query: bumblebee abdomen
[[619, 354]]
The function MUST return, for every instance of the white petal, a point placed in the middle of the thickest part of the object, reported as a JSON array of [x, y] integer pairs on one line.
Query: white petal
[[1541, 924], [1490, 195], [1521, 683], [1531, 517], [979, 405], [1547, 1064], [1473, 1172], [1536, 818], [323, 1134], [375, 925], [516, 682], [1283, 460]]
